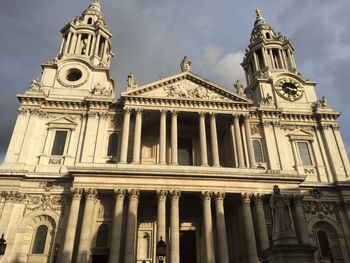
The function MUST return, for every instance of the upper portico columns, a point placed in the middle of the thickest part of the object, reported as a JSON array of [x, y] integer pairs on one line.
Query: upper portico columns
[[162, 137], [238, 141], [137, 137], [125, 136], [249, 141], [174, 159], [203, 139], [214, 140]]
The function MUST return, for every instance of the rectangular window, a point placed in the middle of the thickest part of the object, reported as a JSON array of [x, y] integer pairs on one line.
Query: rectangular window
[[304, 153], [59, 143]]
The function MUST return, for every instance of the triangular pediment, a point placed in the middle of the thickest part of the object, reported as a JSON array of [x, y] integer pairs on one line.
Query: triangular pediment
[[62, 122], [186, 86], [301, 134]]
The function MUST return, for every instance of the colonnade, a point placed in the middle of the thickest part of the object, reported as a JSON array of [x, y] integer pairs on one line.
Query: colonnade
[[254, 229], [240, 132]]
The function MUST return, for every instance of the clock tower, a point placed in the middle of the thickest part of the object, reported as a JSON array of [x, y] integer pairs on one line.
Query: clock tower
[[271, 72]]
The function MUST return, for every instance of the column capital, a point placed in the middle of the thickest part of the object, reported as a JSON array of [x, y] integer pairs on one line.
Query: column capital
[[139, 111], [202, 113], [206, 196], [90, 193], [175, 194], [246, 198], [163, 111], [162, 194], [259, 198], [344, 205], [219, 196], [212, 115], [174, 112], [236, 115], [134, 194], [297, 200], [127, 110], [76, 193], [119, 194], [246, 116]]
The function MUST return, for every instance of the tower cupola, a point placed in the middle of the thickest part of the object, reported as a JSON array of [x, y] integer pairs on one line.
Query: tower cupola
[[261, 30], [87, 37]]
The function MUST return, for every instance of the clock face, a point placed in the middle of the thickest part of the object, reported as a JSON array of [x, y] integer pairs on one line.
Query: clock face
[[289, 89]]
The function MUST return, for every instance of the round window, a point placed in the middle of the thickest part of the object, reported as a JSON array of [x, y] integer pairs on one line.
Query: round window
[[74, 74]]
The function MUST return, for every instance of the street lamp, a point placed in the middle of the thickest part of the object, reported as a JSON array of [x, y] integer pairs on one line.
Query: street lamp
[[161, 250], [3, 245]]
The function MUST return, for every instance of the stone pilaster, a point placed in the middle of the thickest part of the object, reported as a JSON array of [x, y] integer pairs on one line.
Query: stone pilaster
[[174, 227], [114, 255], [137, 137], [174, 159], [238, 140], [249, 142], [68, 244]]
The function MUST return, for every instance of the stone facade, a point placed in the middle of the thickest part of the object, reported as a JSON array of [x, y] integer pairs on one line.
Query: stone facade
[[91, 178]]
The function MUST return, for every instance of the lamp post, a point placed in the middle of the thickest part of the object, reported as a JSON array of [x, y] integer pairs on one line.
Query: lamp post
[[3, 245], [161, 250]]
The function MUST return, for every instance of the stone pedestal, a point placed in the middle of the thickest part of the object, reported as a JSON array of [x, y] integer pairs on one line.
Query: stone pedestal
[[289, 253]]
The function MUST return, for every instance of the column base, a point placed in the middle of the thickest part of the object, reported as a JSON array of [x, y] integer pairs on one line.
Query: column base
[[175, 164], [295, 253], [204, 165], [135, 162], [216, 165]]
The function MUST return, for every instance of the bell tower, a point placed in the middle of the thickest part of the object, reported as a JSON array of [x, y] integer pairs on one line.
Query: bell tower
[[271, 72], [81, 68]]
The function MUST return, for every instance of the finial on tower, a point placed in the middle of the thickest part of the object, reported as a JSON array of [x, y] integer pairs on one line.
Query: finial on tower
[[258, 13], [97, 2]]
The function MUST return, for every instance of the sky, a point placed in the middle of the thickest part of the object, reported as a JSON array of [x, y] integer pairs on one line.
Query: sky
[[150, 38]]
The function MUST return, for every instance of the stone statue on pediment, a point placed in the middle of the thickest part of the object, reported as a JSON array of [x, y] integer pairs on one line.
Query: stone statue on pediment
[[131, 81], [239, 87], [185, 64], [35, 85]]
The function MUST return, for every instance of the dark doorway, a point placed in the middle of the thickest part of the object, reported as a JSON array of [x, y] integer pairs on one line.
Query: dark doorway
[[188, 247], [185, 152], [100, 259]]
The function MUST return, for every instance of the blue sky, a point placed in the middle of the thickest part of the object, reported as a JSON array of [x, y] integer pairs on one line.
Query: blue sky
[[151, 37]]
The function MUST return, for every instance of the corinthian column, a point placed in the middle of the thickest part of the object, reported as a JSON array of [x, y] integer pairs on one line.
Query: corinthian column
[[174, 227], [161, 215], [130, 248], [68, 244], [208, 228], [114, 256], [214, 140], [249, 142], [299, 220], [221, 227], [238, 140], [86, 227], [203, 139], [174, 137], [125, 136], [162, 137], [262, 235], [249, 229], [137, 137]]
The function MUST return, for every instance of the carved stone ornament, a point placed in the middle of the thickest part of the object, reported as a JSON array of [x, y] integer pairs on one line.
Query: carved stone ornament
[[13, 196], [43, 202], [55, 161], [131, 81], [293, 127], [239, 87], [186, 89], [185, 64], [206, 196], [319, 208], [268, 100], [316, 192], [35, 85], [100, 90]]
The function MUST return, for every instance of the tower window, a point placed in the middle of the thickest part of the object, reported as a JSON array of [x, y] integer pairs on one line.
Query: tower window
[[112, 144], [89, 21], [276, 58], [268, 35], [74, 74], [258, 153], [323, 244], [40, 240], [260, 58], [84, 43], [304, 153], [101, 47], [59, 143], [102, 236]]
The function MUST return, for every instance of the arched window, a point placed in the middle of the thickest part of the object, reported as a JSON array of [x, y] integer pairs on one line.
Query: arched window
[[89, 21], [323, 243], [112, 144], [102, 236], [40, 240], [258, 153], [268, 35]]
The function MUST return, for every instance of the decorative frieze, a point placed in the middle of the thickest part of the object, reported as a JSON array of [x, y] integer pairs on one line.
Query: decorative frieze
[[13, 196], [319, 208], [43, 202]]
